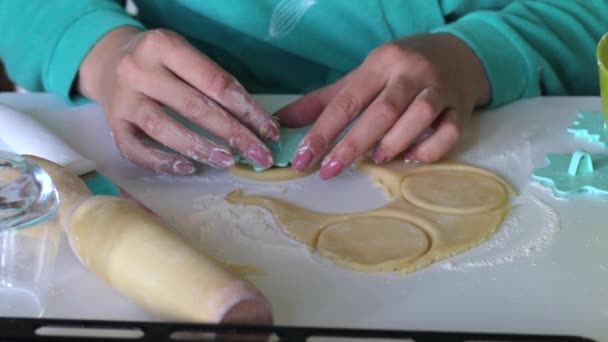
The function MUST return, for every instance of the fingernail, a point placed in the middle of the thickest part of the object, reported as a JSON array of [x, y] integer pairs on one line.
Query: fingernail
[[270, 131], [411, 157], [330, 168], [379, 156], [302, 159], [221, 158], [260, 155], [183, 167]]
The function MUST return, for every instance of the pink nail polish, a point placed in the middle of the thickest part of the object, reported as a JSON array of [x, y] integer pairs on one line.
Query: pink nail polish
[[260, 155], [302, 160], [410, 157], [270, 131], [221, 158], [379, 156], [330, 168], [184, 168]]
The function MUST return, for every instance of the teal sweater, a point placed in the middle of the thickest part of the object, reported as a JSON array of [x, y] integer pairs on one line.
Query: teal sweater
[[528, 47]]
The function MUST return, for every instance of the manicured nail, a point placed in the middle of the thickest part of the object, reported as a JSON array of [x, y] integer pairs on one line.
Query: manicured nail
[[302, 159], [221, 158], [183, 167], [260, 155], [410, 157], [330, 168], [379, 156], [270, 131]]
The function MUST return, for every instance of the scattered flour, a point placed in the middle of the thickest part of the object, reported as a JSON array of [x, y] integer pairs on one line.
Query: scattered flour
[[514, 240], [215, 221], [214, 218], [532, 224], [225, 179], [529, 229]]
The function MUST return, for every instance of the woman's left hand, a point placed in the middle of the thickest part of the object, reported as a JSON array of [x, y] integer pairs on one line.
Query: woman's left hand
[[402, 88]]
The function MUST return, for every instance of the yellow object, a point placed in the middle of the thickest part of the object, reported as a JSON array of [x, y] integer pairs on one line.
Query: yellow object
[[437, 211], [602, 63], [147, 261], [142, 258]]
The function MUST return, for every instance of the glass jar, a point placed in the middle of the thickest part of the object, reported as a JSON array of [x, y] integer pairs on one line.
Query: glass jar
[[29, 236]]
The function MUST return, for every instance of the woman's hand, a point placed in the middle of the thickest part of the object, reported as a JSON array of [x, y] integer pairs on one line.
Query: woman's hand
[[403, 88], [134, 73]]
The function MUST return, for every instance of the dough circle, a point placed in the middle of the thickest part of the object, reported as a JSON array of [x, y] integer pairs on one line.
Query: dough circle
[[453, 191], [373, 243], [273, 174], [437, 211]]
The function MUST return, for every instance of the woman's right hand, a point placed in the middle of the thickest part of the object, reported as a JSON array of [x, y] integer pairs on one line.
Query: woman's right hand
[[132, 74]]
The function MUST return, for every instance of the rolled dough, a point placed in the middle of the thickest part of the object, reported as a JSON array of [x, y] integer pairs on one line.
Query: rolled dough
[[402, 236], [273, 174], [455, 189]]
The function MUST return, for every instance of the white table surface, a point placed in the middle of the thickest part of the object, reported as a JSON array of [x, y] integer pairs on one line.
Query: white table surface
[[546, 271]]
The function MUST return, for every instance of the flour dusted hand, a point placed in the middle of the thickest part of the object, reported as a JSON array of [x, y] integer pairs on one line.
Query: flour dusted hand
[[134, 73], [403, 89]]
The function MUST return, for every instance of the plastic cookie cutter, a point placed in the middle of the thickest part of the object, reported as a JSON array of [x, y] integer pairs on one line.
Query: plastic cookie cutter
[[591, 126], [580, 164], [579, 172]]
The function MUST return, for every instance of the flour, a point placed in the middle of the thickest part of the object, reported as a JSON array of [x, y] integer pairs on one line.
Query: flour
[[216, 219], [225, 179], [513, 241], [200, 179], [516, 162]]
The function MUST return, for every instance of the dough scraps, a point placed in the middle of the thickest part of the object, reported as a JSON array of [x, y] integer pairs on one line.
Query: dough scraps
[[437, 211]]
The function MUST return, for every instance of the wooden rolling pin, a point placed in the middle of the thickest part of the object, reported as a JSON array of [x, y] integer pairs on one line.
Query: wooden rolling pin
[[147, 261]]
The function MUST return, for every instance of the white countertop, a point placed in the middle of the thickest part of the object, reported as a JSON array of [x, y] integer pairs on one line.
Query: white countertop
[[546, 271]]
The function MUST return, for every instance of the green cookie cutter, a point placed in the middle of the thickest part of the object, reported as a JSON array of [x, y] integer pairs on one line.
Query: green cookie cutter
[[283, 151], [571, 174]]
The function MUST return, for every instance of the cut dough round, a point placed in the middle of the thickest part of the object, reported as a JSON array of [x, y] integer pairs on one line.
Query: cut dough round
[[273, 174], [373, 243], [441, 210], [457, 191]]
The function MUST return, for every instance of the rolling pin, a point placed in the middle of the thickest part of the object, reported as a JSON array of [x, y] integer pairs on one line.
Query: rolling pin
[[147, 261]]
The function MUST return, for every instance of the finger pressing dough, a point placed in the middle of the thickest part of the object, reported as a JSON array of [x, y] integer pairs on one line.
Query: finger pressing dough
[[406, 234], [282, 153], [274, 174]]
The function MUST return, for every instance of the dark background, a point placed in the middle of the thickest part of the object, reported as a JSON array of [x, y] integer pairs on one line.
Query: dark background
[[5, 83]]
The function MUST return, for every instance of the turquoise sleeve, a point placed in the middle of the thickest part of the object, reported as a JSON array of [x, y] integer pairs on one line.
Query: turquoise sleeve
[[536, 47], [43, 42]]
